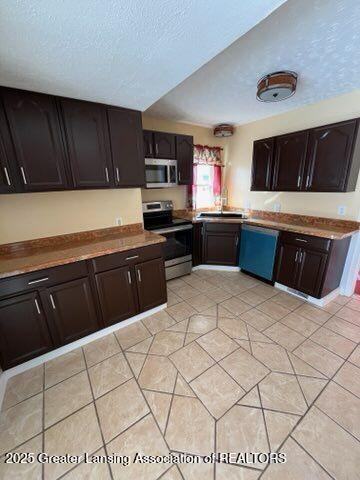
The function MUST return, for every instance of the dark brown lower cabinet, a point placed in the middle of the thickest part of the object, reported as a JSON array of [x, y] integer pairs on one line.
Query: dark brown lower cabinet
[[116, 294], [220, 244], [311, 265], [151, 284], [71, 310], [24, 333], [43, 310]]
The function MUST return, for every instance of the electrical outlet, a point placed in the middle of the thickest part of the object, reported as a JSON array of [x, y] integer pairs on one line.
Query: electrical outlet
[[341, 210], [277, 207], [118, 221]]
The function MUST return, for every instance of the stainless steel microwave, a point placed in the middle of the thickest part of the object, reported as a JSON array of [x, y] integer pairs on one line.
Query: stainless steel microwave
[[160, 173]]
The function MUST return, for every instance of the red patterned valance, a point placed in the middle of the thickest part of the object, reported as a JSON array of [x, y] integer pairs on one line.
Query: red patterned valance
[[203, 154]]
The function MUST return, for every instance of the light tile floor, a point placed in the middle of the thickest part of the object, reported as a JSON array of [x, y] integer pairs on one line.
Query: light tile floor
[[232, 365]]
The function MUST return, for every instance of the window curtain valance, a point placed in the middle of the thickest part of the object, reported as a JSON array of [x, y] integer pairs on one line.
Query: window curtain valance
[[203, 154]]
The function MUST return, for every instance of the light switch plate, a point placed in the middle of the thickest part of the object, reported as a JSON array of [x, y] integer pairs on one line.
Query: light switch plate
[[118, 221], [341, 210], [277, 207]]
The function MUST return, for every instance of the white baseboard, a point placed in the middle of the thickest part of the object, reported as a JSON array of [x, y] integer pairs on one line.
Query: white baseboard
[[216, 267], [317, 302], [4, 376]]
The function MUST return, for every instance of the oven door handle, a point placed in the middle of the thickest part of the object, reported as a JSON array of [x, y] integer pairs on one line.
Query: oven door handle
[[180, 228]]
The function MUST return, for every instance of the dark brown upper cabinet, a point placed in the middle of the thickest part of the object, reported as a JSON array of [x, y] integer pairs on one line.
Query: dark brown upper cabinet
[[164, 145], [126, 139], [289, 161], [185, 158], [88, 143], [148, 139], [36, 135], [262, 164], [330, 153], [9, 180], [322, 159]]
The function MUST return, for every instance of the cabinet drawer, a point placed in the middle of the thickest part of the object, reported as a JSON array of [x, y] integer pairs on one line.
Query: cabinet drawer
[[42, 278], [222, 227], [130, 257], [306, 241]]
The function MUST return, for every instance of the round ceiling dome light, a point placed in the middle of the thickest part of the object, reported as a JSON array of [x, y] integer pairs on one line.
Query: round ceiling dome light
[[276, 86]]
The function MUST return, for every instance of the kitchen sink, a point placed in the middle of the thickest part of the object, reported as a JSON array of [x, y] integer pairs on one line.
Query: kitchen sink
[[221, 215]]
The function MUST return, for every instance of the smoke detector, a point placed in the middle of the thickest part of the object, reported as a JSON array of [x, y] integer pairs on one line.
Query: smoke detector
[[223, 130], [276, 86]]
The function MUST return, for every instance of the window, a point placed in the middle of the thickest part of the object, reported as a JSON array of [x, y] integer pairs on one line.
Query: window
[[204, 196]]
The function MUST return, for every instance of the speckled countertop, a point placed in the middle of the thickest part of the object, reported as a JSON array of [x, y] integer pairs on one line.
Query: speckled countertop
[[335, 230], [49, 252]]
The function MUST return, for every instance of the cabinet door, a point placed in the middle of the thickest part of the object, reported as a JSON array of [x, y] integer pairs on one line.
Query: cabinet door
[[197, 256], [164, 144], [330, 151], [88, 143], [8, 169], [127, 147], [262, 164], [71, 310], [290, 153], [148, 139], [116, 295], [36, 134], [287, 265], [23, 330], [220, 248], [185, 158], [151, 284], [311, 272]]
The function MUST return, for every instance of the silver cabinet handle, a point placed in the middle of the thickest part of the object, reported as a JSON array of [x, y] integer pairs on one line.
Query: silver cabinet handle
[[179, 176], [156, 148], [37, 307], [132, 258], [151, 148], [237, 241], [307, 181], [107, 174], [301, 240], [38, 280], [52, 302], [139, 275], [23, 175], [117, 174], [296, 256], [129, 277], [7, 176], [299, 181], [301, 256]]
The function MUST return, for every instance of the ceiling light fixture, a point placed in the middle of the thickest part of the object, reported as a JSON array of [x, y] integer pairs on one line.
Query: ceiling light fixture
[[276, 86]]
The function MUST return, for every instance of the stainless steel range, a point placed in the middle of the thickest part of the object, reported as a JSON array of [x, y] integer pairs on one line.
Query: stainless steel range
[[158, 217]]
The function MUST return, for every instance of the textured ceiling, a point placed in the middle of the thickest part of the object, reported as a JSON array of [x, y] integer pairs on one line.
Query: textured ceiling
[[319, 39], [119, 52]]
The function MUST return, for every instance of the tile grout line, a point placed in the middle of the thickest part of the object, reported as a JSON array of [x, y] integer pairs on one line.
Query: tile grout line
[[97, 413]]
